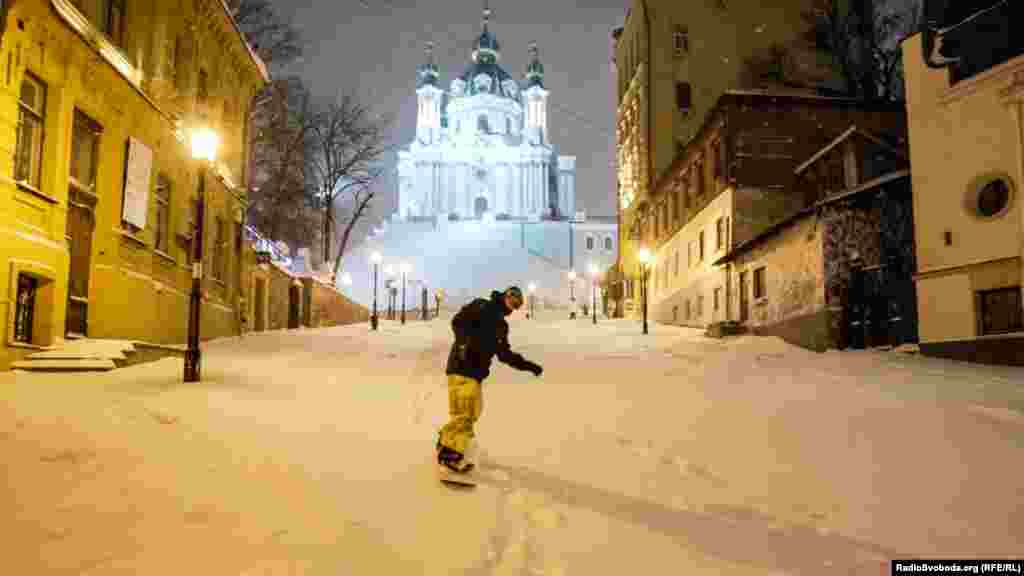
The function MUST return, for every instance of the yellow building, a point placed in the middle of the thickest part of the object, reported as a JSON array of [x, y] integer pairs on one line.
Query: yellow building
[[966, 127], [674, 60], [97, 184]]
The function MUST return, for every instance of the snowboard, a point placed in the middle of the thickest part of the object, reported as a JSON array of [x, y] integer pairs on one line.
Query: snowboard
[[455, 478]]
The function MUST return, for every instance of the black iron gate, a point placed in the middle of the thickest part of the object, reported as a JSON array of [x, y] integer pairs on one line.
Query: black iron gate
[[882, 308]]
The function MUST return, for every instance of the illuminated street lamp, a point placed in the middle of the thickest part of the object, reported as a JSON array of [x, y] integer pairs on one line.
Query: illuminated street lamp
[[645, 269], [405, 268], [572, 293], [594, 274], [376, 259], [204, 149], [533, 298]]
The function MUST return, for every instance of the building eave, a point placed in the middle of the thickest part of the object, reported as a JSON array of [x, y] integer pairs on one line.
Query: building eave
[[852, 130], [863, 188], [261, 66]]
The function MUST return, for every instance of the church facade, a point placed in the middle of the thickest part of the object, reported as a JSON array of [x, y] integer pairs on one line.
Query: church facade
[[482, 147]]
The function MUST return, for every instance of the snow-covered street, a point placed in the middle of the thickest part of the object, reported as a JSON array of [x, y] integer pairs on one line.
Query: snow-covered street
[[311, 452]]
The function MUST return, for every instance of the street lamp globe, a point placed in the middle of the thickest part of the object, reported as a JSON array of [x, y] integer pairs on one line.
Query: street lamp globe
[[532, 287], [346, 279], [376, 258], [572, 275], [405, 268], [204, 144], [644, 255]]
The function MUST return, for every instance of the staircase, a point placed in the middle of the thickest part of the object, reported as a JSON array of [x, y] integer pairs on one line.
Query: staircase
[[95, 355]]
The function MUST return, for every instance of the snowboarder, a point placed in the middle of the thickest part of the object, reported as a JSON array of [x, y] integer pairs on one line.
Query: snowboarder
[[481, 333]]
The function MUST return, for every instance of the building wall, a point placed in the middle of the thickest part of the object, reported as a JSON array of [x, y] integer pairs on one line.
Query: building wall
[[135, 291], [793, 306], [961, 137], [695, 279]]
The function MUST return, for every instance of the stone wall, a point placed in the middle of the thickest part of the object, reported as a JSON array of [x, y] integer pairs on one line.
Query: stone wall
[[793, 306], [325, 306]]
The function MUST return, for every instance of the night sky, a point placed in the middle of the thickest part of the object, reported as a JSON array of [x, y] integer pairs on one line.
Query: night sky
[[372, 47]]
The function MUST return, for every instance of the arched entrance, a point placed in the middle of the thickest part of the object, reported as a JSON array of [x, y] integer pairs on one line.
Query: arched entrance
[[480, 206]]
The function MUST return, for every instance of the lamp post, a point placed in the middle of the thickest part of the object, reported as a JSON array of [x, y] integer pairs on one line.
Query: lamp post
[[572, 294], [389, 272], [376, 258], [593, 288], [405, 273], [645, 258], [533, 298], [204, 149]]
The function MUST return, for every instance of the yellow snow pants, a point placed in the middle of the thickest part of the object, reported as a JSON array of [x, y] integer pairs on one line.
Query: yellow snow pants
[[464, 406]]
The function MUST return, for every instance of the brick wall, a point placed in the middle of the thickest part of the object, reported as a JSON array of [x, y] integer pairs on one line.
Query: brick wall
[[325, 306]]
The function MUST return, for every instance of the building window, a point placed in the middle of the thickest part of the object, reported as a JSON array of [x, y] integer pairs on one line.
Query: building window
[[28, 157], [219, 261], [114, 21], [700, 247], [993, 199], [508, 125], [25, 306], [684, 96], [681, 41], [688, 311], [675, 313], [163, 213], [202, 87], [238, 239], [608, 243], [716, 159], [1000, 310], [719, 233], [700, 307], [590, 243], [676, 265], [717, 298], [482, 125], [85, 146], [759, 287], [699, 176]]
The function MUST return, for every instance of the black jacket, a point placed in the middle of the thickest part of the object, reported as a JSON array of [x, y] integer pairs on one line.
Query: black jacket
[[481, 333]]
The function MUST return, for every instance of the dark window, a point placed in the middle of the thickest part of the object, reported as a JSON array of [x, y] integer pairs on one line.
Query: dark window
[[675, 313], [163, 212], [1000, 310], [482, 125], [700, 247], [25, 305], [115, 21], [716, 159], [681, 41], [608, 243], [699, 167], [717, 298], [719, 233], [993, 198], [202, 88], [590, 242], [759, 287], [683, 96], [28, 151], [238, 239], [85, 141]]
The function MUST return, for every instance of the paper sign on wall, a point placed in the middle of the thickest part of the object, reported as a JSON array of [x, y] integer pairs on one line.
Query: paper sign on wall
[[138, 165]]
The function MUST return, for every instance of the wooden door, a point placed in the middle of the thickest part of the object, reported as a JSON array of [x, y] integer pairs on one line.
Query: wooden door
[[259, 323], [293, 307], [78, 232], [744, 299]]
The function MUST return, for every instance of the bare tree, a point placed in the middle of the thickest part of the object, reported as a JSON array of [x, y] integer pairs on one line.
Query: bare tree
[[281, 205], [276, 40], [348, 144], [863, 42]]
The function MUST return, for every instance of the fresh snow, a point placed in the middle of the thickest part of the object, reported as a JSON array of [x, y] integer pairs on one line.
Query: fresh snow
[[310, 452]]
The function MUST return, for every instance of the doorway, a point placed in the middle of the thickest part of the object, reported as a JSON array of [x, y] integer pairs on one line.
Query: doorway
[[294, 308], [480, 206], [258, 301], [78, 233], [744, 299]]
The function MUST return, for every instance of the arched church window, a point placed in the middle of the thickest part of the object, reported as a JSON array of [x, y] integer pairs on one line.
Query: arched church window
[[590, 242], [508, 125], [481, 124], [608, 243]]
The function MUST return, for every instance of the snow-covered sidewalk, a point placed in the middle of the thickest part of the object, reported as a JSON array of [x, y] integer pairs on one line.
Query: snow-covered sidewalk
[[309, 452]]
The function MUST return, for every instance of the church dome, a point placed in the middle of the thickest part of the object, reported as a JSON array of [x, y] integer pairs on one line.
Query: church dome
[[486, 50], [484, 75], [534, 70], [428, 74]]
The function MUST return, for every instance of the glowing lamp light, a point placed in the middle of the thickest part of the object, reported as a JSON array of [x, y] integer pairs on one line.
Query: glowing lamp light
[[376, 258], [644, 255], [572, 275], [204, 144], [346, 279], [532, 287]]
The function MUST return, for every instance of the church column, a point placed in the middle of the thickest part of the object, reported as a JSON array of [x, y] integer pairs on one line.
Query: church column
[[545, 187], [536, 187], [467, 192], [510, 170], [519, 189]]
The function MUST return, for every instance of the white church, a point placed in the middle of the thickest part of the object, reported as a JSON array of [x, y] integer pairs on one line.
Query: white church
[[484, 200]]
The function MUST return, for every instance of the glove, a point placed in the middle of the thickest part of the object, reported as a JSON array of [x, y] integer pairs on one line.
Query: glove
[[535, 368]]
